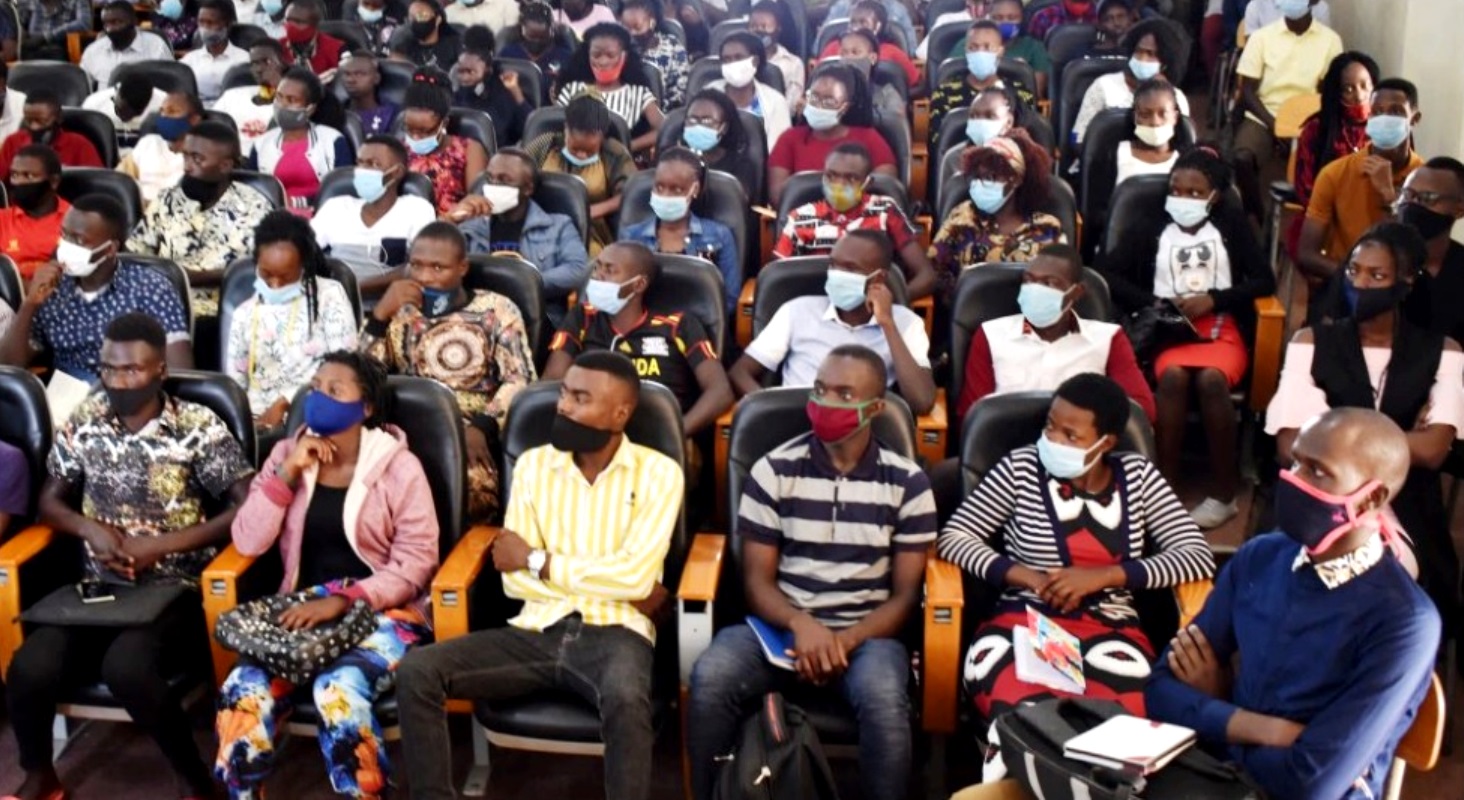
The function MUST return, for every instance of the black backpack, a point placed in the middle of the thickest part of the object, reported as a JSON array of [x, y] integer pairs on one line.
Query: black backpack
[[778, 757]]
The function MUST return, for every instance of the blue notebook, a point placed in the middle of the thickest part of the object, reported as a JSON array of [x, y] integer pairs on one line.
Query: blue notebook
[[776, 643]]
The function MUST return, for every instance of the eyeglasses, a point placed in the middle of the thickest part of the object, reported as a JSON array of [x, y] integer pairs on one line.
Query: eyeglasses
[[826, 102], [710, 122], [1425, 198]]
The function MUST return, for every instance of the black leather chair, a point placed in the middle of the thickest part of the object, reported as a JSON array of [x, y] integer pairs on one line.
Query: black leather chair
[[353, 130], [1010, 70], [69, 82], [693, 286], [177, 277], [469, 123], [557, 193], [245, 36], [896, 133], [1100, 166], [264, 183], [79, 181], [888, 73], [238, 286], [1061, 202], [97, 128], [396, 76], [550, 119], [12, 288], [833, 29], [530, 78], [798, 277], [655, 81], [1067, 43], [25, 423], [722, 199], [170, 76], [348, 31], [522, 283], [237, 76], [340, 182], [709, 68], [943, 39], [722, 30], [1068, 96]]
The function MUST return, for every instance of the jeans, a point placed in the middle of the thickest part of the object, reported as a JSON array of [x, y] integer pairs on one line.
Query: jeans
[[732, 675], [609, 667]]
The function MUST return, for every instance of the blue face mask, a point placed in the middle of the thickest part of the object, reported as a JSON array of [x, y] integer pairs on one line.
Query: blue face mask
[[172, 9], [820, 119], [845, 289], [576, 160], [1063, 461], [272, 7], [981, 64], [605, 296], [172, 128], [370, 16], [272, 296], [328, 416], [981, 131], [421, 147], [669, 207], [436, 301], [370, 184], [988, 196], [1294, 9], [1009, 30], [700, 137], [1143, 70], [1043, 306], [1388, 132]]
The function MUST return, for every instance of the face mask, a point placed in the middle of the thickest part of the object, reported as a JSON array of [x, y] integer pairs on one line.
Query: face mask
[[1294, 9], [271, 296], [568, 436], [1078, 8], [1315, 519], [842, 196], [576, 160], [291, 119], [1042, 306], [1430, 224], [769, 42], [212, 37], [845, 289], [1143, 70], [421, 147], [981, 64], [122, 37], [605, 296], [172, 128], [172, 9], [739, 73], [820, 119], [1387, 131], [833, 422], [370, 184], [370, 16], [1154, 135], [77, 261], [437, 301], [328, 416], [28, 196], [127, 402], [423, 28], [700, 137], [298, 34], [1370, 303], [670, 208], [988, 196], [1009, 30], [1064, 461], [43, 135], [272, 7], [608, 74], [1357, 113], [199, 190], [535, 46], [981, 131], [503, 198], [1187, 212]]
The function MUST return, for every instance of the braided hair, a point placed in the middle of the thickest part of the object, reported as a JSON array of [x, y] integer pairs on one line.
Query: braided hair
[[372, 375], [687, 156], [1205, 159], [734, 138], [1329, 116], [284, 227]]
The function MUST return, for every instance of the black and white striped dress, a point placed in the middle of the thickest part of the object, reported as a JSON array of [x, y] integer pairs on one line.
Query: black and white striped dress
[[629, 102]]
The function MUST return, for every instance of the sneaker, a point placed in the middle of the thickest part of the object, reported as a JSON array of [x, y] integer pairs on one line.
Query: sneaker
[[1212, 513]]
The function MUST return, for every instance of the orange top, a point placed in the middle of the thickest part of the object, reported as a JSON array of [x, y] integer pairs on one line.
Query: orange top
[[28, 240]]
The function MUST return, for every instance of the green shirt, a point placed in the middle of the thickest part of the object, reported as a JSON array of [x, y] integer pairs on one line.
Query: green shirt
[[1022, 48]]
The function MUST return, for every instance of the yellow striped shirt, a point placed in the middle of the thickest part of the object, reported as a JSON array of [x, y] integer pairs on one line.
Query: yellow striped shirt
[[607, 541]]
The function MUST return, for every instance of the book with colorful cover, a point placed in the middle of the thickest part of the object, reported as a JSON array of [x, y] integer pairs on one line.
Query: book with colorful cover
[[1130, 744], [776, 642], [1047, 655]]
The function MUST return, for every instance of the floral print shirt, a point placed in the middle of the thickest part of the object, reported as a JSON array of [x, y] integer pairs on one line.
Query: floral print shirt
[[275, 349], [967, 238], [668, 56]]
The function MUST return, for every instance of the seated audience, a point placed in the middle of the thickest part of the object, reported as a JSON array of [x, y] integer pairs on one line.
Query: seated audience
[[12, 104], [1260, 13], [270, 16], [585, 149], [1376, 358], [713, 128], [615, 317], [742, 55], [872, 17], [1321, 715], [1431, 202], [41, 124], [252, 107], [215, 55], [495, 16], [1072, 527], [381, 20], [120, 43], [858, 49], [360, 76], [510, 221], [431, 307], [590, 585], [481, 85], [46, 27], [346, 467], [656, 47], [129, 475], [1016, 45], [126, 105], [177, 22], [603, 64], [1003, 220], [896, 14], [73, 299], [298, 151], [207, 221], [305, 44], [838, 110], [674, 227], [1149, 58], [1066, 12], [1115, 18], [369, 230], [770, 22], [856, 308], [296, 316], [156, 161], [450, 161], [1150, 148], [814, 228], [845, 584], [30, 226], [581, 15], [426, 40], [536, 41], [1339, 128], [983, 55]]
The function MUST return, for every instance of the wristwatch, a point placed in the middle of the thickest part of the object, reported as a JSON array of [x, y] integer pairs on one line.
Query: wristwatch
[[537, 559]]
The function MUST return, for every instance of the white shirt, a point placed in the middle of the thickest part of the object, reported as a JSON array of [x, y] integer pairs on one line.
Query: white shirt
[[1298, 398], [1129, 165], [11, 112], [949, 16], [275, 28], [209, 69], [156, 165], [105, 101], [800, 349], [772, 105], [1190, 264], [792, 70], [1260, 13], [1112, 91], [273, 350], [252, 120], [1023, 361], [338, 225], [492, 14], [100, 57]]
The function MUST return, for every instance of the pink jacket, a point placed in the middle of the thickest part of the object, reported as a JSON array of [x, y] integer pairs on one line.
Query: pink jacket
[[390, 520]]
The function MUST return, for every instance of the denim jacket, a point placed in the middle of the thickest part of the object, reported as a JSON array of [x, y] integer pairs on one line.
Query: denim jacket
[[709, 239], [550, 242]]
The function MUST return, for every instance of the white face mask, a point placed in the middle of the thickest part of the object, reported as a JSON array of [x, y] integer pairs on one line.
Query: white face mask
[[503, 198], [1154, 135], [77, 261], [739, 73]]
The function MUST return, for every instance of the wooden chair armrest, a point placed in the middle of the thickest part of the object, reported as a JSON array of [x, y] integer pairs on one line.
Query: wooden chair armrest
[[932, 428], [696, 599], [1191, 598], [1044, 107], [1078, 229], [1420, 745], [919, 169], [22, 548], [455, 577], [920, 127], [925, 307], [220, 594], [1270, 344], [744, 312], [941, 659], [720, 447], [74, 46]]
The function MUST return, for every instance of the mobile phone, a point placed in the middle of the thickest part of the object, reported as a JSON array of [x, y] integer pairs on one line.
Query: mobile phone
[[94, 591]]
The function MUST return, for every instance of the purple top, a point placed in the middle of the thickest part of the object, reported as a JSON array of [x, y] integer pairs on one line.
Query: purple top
[[15, 483]]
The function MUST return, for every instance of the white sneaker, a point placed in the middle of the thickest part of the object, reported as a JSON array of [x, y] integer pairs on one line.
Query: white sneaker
[[1212, 513]]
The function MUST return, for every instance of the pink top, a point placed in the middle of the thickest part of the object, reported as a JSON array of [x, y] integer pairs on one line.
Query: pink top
[[1298, 398], [298, 176]]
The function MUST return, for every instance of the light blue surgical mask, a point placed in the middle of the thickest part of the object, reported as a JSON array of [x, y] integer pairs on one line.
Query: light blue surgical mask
[[1388, 132], [605, 296], [1043, 306], [421, 147], [1144, 70], [1187, 212], [370, 184], [670, 207], [272, 7], [981, 64], [700, 138], [576, 160], [1064, 461], [370, 16], [172, 9], [988, 196], [272, 296], [845, 289], [1294, 9], [820, 119], [981, 131]]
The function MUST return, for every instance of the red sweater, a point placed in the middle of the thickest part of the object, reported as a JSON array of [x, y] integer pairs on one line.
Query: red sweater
[[327, 53], [73, 149]]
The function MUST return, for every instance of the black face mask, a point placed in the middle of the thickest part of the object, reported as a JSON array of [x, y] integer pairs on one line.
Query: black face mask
[[573, 437], [43, 135], [199, 190], [126, 402], [536, 46], [1430, 224], [28, 196], [122, 37], [1369, 303], [421, 29]]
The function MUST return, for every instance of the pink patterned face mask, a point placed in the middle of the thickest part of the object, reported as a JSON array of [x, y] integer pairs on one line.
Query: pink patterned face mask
[[1316, 519]]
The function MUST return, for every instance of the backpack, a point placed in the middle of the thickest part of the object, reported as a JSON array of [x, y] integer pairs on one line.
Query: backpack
[[778, 757]]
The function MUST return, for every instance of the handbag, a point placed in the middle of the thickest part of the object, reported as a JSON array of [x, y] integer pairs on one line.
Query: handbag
[[133, 606], [253, 631], [1032, 739], [1153, 328]]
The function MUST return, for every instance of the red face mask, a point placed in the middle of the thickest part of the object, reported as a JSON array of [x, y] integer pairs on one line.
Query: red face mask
[[298, 34], [610, 75], [834, 422], [1357, 113], [1078, 8]]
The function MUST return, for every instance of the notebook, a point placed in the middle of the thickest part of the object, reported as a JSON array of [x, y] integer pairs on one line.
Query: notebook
[[1130, 744], [1047, 655], [776, 643], [63, 394]]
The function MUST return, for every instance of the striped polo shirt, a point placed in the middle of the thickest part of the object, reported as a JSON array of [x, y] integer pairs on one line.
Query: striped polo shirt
[[837, 534]]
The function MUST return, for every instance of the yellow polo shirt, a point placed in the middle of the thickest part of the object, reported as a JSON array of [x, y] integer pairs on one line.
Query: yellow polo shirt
[[1345, 201], [1286, 64]]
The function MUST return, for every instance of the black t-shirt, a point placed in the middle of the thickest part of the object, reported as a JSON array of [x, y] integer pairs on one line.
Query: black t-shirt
[[508, 115], [1436, 303], [325, 554], [442, 55], [666, 348]]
